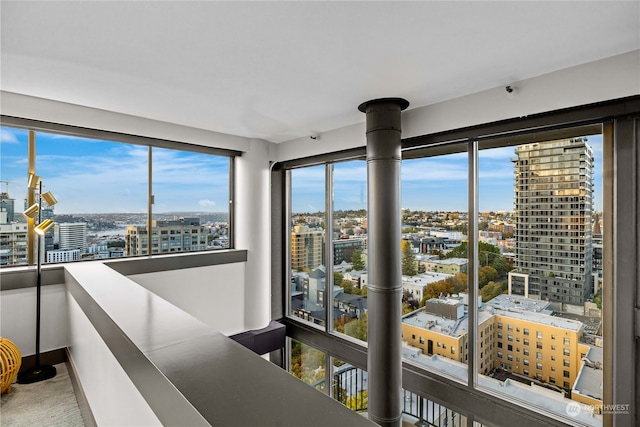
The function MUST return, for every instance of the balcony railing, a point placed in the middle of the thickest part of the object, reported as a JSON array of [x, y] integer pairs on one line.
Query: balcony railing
[[350, 388]]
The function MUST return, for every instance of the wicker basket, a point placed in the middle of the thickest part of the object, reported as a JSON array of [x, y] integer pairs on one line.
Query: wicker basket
[[11, 361]]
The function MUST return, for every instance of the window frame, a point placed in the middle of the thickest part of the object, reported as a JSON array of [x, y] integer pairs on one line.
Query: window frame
[[609, 116], [36, 126]]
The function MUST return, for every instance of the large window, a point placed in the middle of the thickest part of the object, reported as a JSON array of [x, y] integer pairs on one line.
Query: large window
[[107, 197], [434, 252], [540, 244], [502, 249], [189, 213], [349, 386]]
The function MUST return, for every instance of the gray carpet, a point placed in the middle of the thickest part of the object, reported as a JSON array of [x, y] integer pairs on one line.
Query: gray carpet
[[47, 403]]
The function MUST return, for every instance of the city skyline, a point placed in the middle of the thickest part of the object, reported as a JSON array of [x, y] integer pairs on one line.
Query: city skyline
[[185, 181]]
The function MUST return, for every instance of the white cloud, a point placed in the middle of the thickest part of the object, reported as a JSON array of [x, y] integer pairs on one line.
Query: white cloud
[[8, 137], [207, 203]]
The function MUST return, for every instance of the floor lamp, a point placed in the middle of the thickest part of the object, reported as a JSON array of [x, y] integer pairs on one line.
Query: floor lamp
[[39, 372]]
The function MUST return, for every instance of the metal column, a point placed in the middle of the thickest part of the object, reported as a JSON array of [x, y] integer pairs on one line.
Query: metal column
[[384, 297]]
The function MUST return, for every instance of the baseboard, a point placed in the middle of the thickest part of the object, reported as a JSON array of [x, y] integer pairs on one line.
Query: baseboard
[[52, 357], [81, 397]]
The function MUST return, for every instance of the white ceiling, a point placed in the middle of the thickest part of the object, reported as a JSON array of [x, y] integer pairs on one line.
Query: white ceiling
[[282, 70]]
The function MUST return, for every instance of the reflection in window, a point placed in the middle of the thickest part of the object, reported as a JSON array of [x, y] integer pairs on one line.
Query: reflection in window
[[307, 364]]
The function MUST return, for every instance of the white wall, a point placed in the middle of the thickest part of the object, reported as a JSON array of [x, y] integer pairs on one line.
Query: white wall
[[29, 107], [106, 385], [609, 78], [18, 318], [214, 295], [253, 230]]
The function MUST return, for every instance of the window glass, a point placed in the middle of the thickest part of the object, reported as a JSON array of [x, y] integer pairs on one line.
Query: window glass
[[191, 202], [539, 272], [434, 262], [102, 193], [308, 272], [101, 187], [13, 196], [307, 364], [350, 386], [540, 229], [420, 411], [349, 241]]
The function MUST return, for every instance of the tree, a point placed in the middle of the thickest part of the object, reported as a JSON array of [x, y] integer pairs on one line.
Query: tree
[[486, 274], [491, 290], [488, 254], [359, 402], [409, 267], [307, 363], [357, 262], [437, 252], [505, 286], [115, 244], [406, 308], [409, 303], [349, 287], [448, 286], [597, 299], [358, 328], [459, 282], [337, 278], [435, 289]]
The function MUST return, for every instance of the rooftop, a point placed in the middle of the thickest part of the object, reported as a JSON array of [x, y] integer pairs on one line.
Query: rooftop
[[519, 303], [425, 278], [589, 380], [449, 261], [505, 305], [531, 310], [435, 323], [523, 394]]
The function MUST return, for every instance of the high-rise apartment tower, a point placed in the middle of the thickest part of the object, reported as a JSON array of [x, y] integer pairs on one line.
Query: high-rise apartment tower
[[73, 235], [177, 235], [553, 210], [306, 248]]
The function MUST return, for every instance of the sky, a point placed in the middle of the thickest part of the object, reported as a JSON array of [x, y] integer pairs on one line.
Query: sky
[[428, 184], [91, 176]]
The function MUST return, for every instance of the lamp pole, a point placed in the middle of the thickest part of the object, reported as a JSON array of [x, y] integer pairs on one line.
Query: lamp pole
[[38, 372]]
